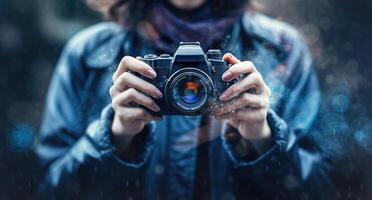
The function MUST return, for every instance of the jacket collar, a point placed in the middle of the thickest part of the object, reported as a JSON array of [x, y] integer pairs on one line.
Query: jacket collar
[[107, 49], [266, 30]]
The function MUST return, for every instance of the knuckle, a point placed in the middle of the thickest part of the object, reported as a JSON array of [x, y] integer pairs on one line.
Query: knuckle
[[131, 93], [114, 76], [268, 91], [255, 77], [125, 75], [264, 103], [259, 76], [115, 104], [123, 80], [253, 66], [256, 82], [111, 91], [248, 63], [234, 69], [262, 81], [129, 97], [125, 59]]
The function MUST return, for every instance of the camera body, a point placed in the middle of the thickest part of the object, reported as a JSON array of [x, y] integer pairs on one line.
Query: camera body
[[191, 81]]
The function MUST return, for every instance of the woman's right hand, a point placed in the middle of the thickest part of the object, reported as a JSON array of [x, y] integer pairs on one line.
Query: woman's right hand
[[129, 89]]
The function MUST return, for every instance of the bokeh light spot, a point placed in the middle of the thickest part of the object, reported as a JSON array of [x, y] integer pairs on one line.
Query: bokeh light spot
[[21, 138], [340, 103], [363, 137]]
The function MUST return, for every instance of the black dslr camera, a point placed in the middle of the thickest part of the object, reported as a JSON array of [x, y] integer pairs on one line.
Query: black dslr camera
[[191, 81]]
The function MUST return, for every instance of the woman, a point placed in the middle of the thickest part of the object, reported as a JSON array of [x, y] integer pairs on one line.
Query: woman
[[94, 141]]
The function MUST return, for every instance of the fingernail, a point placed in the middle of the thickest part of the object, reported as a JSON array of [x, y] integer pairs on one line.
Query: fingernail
[[158, 94], [158, 118], [225, 96], [156, 108], [227, 76], [151, 73]]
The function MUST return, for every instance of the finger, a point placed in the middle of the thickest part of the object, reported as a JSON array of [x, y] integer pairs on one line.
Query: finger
[[251, 116], [132, 95], [132, 114], [245, 100], [252, 81], [129, 80], [233, 123], [230, 59], [236, 70], [129, 63]]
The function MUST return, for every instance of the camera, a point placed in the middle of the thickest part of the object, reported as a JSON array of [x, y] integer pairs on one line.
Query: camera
[[191, 81]]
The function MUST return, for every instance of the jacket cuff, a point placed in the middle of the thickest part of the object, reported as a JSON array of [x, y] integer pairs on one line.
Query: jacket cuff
[[242, 152], [139, 150], [99, 132]]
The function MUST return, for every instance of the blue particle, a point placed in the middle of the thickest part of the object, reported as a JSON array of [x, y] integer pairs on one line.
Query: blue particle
[[363, 137], [340, 103], [333, 123], [21, 138], [332, 146]]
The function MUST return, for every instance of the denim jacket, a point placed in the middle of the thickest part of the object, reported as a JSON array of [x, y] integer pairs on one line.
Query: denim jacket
[[168, 161]]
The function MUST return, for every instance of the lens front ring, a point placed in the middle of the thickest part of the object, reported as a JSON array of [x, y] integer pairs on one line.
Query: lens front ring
[[189, 90]]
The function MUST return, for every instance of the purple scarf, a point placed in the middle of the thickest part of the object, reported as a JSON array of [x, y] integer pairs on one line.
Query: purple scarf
[[167, 29]]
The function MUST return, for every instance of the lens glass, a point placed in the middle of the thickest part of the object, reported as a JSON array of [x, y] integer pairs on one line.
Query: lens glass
[[189, 91]]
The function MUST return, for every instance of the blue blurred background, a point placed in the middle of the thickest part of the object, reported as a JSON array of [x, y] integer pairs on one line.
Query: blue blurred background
[[339, 33]]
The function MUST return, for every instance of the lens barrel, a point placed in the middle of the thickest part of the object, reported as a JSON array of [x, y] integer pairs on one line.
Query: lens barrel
[[189, 90]]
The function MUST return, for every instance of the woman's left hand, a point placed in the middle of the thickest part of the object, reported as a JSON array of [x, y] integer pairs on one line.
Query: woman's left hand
[[245, 104]]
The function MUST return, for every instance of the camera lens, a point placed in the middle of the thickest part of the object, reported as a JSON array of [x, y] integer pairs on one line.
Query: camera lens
[[189, 91]]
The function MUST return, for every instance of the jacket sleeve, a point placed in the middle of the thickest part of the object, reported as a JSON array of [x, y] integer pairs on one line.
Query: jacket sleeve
[[76, 156], [285, 168]]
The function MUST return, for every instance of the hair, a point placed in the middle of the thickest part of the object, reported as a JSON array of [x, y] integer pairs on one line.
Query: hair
[[130, 12]]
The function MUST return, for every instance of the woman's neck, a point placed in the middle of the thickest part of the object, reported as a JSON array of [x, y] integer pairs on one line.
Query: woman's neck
[[185, 14]]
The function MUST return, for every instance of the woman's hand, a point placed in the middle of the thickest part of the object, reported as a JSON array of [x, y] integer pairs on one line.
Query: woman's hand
[[246, 103], [126, 90]]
